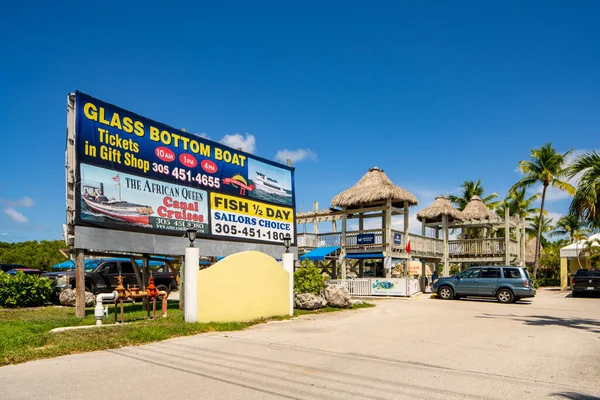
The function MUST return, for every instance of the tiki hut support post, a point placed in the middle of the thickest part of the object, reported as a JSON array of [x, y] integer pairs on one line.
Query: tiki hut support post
[[334, 226], [446, 270], [423, 228], [523, 244], [506, 237], [423, 268], [316, 223], [518, 235], [343, 244], [405, 235], [361, 226], [387, 234]]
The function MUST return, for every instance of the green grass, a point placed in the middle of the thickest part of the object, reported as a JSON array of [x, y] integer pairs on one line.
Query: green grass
[[25, 333]]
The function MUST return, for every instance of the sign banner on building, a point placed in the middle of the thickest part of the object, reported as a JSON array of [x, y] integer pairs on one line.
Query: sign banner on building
[[365, 238], [136, 174]]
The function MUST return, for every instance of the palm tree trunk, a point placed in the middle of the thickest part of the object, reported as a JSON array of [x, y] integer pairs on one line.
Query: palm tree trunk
[[536, 260]]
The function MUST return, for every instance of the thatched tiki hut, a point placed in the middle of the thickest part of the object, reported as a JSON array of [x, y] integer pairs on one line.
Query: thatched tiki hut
[[476, 209], [374, 195], [437, 216]]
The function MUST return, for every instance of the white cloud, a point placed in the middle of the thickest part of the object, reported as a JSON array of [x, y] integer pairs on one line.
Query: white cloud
[[246, 143], [15, 215], [295, 155], [552, 193], [554, 216], [26, 202]]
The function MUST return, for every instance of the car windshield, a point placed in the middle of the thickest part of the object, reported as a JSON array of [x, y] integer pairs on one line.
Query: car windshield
[[588, 272]]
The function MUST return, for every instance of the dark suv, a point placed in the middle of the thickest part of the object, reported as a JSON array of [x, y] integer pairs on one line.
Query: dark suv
[[8, 267], [506, 283], [103, 278]]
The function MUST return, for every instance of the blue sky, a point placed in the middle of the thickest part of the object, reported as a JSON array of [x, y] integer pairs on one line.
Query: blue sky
[[434, 93]]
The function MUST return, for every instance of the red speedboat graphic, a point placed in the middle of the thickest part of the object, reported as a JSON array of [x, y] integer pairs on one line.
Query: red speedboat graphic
[[123, 210]]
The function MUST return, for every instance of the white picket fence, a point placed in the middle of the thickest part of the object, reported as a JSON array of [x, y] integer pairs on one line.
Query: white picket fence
[[379, 286]]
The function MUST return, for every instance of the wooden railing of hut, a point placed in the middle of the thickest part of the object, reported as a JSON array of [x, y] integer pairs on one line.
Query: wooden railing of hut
[[481, 247], [420, 245]]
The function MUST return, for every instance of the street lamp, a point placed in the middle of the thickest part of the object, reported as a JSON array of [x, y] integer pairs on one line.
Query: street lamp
[[287, 240], [191, 235]]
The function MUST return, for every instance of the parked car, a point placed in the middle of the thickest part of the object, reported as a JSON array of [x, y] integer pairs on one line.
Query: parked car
[[26, 271], [8, 267], [506, 283], [103, 278], [586, 281]]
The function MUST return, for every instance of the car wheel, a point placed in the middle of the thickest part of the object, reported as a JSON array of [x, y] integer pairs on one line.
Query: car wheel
[[164, 288], [446, 293], [505, 296], [575, 294]]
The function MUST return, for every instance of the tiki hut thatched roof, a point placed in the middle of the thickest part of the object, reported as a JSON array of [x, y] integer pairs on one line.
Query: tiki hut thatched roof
[[530, 251], [476, 209], [440, 207], [374, 186]]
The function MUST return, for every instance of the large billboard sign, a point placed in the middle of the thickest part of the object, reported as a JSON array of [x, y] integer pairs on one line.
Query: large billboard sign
[[135, 174]]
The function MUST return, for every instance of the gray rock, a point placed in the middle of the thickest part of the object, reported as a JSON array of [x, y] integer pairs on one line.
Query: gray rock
[[308, 301], [338, 296], [67, 298]]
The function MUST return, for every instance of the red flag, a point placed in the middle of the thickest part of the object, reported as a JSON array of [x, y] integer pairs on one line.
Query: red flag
[[116, 178], [408, 246]]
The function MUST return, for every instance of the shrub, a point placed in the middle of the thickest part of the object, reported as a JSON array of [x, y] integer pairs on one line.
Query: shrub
[[308, 279], [23, 290], [548, 282]]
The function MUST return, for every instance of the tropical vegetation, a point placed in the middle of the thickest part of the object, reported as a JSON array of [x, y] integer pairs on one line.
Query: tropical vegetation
[[470, 189], [518, 204], [586, 202], [308, 279], [41, 255], [571, 225], [23, 290], [545, 167]]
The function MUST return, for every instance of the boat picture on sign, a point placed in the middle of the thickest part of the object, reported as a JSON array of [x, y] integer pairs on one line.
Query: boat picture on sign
[[126, 199], [270, 183]]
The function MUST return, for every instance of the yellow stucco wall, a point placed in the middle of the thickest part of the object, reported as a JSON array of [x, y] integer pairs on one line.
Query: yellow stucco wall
[[564, 284], [243, 287]]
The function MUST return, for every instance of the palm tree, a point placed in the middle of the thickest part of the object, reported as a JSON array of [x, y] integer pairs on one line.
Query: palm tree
[[586, 202], [470, 189], [533, 225], [591, 249], [571, 225], [518, 204], [545, 166]]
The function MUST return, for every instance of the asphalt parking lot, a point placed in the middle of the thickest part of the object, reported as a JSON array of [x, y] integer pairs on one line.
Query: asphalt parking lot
[[547, 347]]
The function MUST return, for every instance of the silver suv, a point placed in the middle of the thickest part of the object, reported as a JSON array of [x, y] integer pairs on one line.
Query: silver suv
[[506, 283]]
